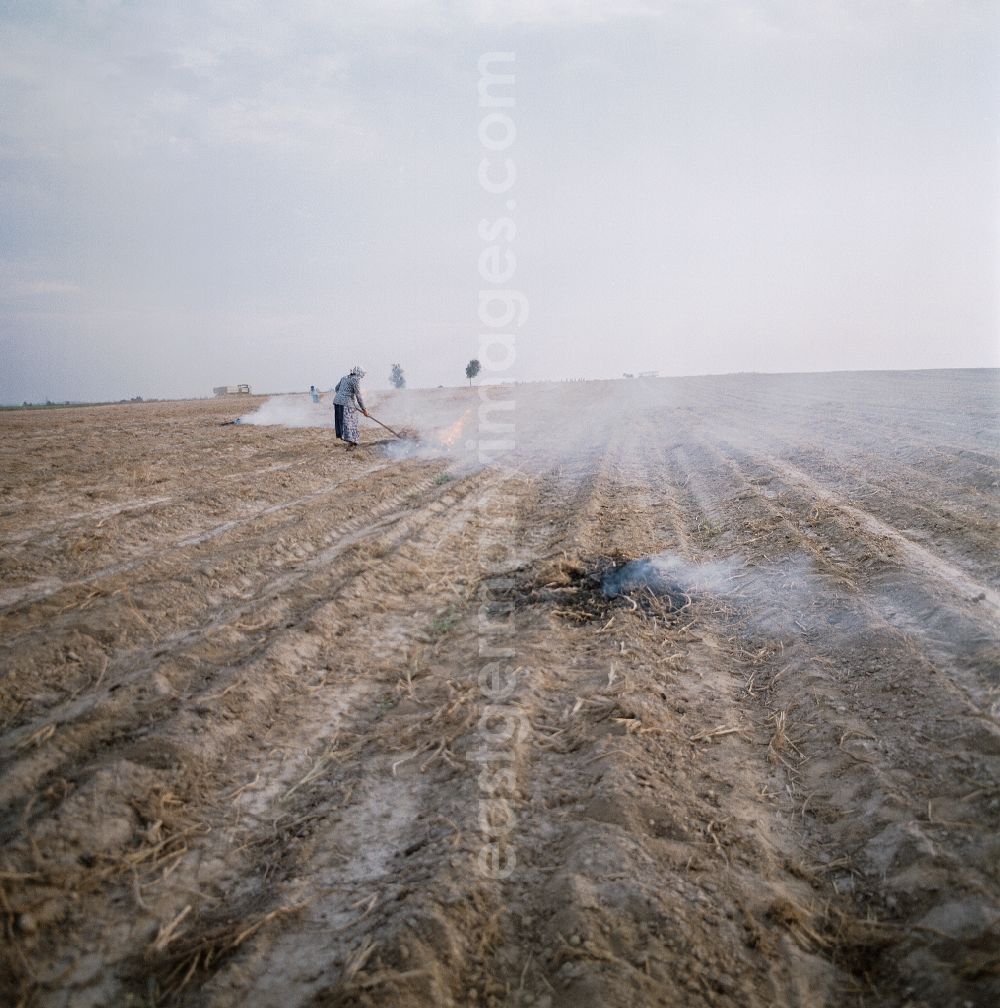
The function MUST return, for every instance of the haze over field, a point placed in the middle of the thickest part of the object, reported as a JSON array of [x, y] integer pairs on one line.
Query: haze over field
[[740, 745], [212, 194]]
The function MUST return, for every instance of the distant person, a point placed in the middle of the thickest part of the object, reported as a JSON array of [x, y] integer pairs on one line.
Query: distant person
[[313, 393], [345, 413]]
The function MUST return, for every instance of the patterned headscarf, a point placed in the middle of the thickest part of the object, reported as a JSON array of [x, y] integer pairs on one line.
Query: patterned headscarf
[[359, 371]]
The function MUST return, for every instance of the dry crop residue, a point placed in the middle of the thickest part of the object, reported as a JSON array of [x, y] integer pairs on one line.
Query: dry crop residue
[[242, 710]]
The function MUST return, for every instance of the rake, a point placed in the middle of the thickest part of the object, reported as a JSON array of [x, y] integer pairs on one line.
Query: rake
[[386, 426]]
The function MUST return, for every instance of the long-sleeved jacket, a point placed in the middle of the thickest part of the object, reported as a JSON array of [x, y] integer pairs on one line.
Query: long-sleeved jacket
[[349, 392]]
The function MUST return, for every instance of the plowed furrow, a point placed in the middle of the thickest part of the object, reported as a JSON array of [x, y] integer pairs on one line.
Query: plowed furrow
[[284, 687], [167, 599], [146, 684]]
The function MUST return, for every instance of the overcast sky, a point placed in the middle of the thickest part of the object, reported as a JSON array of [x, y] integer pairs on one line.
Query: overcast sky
[[213, 192]]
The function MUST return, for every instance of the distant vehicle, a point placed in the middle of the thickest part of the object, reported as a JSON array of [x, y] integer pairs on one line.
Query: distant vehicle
[[224, 390], [649, 374]]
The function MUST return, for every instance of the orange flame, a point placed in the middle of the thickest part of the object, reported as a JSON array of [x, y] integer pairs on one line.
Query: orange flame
[[449, 435]]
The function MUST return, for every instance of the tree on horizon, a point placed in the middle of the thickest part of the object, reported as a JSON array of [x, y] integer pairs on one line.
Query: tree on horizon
[[471, 370]]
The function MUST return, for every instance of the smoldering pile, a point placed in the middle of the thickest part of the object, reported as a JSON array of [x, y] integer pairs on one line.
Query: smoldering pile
[[441, 442], [587, 589], [669, 579], [645, 576]]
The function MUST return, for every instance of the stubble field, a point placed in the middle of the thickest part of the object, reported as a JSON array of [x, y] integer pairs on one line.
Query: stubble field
[[284, 726]]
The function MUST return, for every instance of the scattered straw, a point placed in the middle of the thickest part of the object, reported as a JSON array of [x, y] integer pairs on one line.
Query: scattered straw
[[368, 902], [390, 976], [712, 733], [168, 931], [38, 737], [601, 755], [100, 675], [779, 739], [357, 961], [245, 787], [199, 952], [325, 759]]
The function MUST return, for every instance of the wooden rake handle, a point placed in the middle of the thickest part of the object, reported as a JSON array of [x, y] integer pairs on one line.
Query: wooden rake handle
[[387, 427]]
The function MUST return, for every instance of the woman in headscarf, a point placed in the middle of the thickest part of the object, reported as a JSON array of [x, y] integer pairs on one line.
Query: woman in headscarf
[[347, 402]]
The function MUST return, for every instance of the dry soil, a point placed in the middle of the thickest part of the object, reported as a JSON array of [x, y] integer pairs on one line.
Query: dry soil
[[287, 726]]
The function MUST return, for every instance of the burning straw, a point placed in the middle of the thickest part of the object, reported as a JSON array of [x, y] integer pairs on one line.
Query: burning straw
[[666, 576]]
